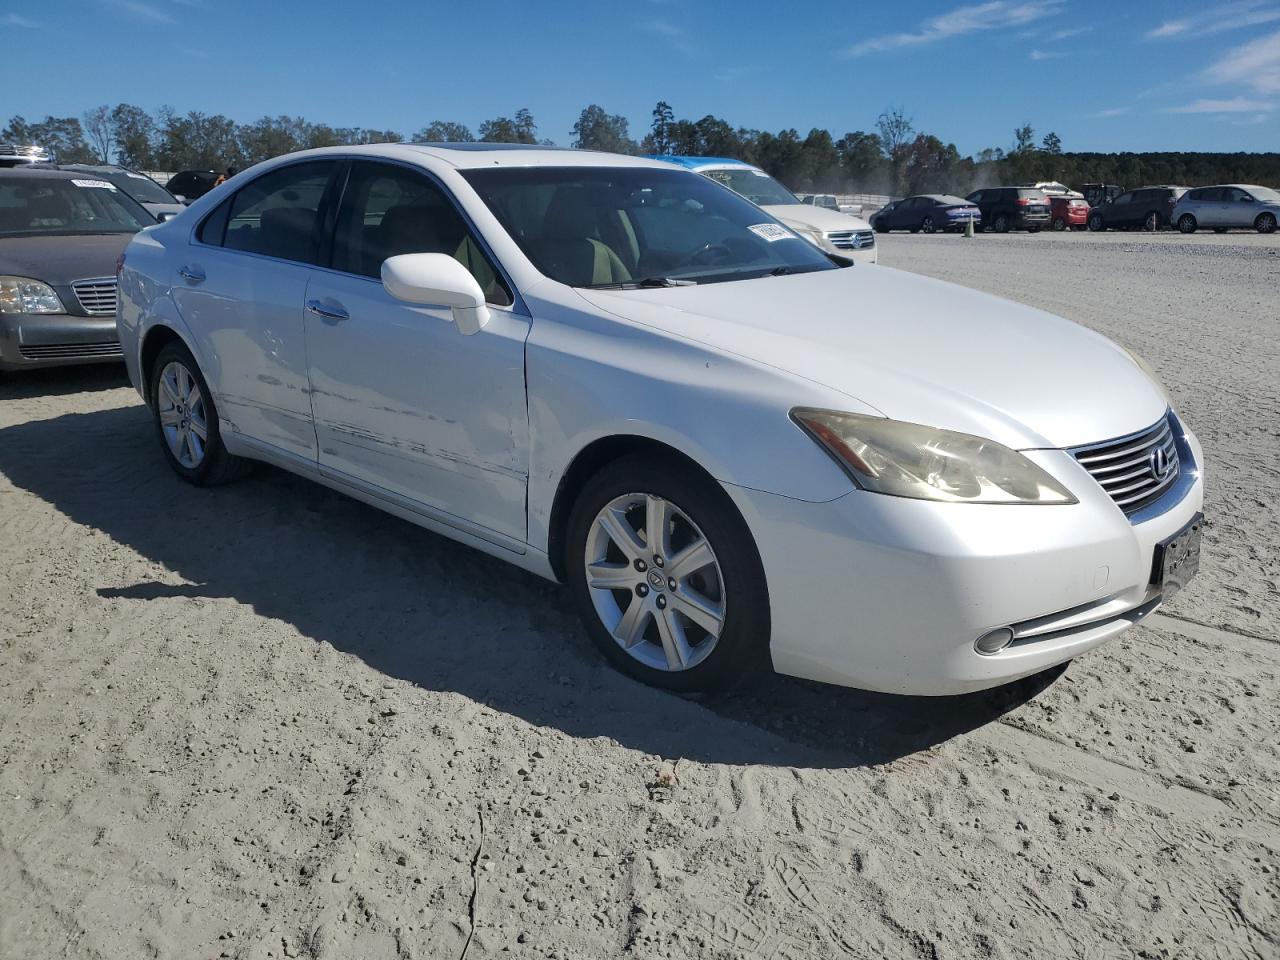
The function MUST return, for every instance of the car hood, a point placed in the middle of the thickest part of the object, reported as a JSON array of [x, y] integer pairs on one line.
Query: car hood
[[916, 349], [804, 215], [63, 259]]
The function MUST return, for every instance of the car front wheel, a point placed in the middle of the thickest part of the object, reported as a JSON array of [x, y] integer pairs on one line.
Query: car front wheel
[[1266, 223], [1059, 224], [1187, 223], [1151, 223], [666, 576], [187, 420], [1095, 222], [1001, 224], [927, 225]]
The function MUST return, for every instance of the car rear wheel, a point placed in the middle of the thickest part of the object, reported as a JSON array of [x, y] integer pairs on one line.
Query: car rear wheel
[[187, 421], [1266, 223], [881, 228], [1187, 223], [1001, 223], [1151, 223], [927, 225], [666, 576], [1095, 222], [1059, 224]]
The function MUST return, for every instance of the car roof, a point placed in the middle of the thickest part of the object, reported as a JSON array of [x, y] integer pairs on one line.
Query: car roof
[[39, 173], [471, 156], [702, 163]]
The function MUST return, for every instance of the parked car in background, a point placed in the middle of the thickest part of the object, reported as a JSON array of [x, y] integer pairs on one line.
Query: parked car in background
[[21, 154], [1148, 208], [926, 213], [1070, 211], [191, 184], [1234, 205], [834, 232], [61, 234], [1050, 188], [157, 201], [1012, 208], [737, 454], [825, 200], [1096, 194]]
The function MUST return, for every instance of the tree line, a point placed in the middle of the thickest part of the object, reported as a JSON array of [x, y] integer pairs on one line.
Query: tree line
[[892, 157]]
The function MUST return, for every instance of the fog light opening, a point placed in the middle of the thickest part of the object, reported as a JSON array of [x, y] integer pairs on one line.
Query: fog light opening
[[993, 641]]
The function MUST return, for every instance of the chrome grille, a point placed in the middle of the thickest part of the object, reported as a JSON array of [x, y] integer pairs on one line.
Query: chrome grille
[[70, 351], [1134, 470], [97, 297], [852, 239]]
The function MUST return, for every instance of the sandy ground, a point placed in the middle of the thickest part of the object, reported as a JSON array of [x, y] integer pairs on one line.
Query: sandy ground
[[266, 721]]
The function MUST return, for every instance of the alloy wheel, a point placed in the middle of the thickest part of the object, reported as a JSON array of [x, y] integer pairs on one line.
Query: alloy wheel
[[1059, 225], [927, 225], [655, 582], [1152, 223], [183, 420], [1187, 223], [1267, 223]]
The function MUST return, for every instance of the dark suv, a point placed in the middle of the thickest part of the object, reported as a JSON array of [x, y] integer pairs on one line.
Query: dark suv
[[191, 184], [1012, 208], [1147, 207]]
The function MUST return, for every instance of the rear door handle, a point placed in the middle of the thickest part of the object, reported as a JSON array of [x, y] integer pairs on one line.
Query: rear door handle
[[191, 274], [332, 313]]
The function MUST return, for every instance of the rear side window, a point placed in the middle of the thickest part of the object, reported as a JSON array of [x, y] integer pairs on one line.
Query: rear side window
[[279, 214], [1033, 195], [388, 210]]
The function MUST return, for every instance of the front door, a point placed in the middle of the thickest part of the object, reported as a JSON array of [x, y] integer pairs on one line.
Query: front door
[[240, 289], [403, 402]]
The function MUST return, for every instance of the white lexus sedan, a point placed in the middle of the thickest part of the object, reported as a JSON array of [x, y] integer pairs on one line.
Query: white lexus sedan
[[734, 449]]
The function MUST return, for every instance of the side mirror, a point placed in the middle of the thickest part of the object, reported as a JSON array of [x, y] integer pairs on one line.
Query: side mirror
[[164, 215], [436, 279], [181, 198]]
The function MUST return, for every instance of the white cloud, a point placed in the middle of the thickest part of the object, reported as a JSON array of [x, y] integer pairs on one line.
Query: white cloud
[[1046, 54], [142, 11], [1069, 32], [17, 20], [1233, 105], [1109, 112], [994, 15], [1227, 16], [675, 35], [1255, 64]]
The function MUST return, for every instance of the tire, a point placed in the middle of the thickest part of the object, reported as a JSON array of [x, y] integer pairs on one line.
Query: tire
[[1151, 222], [1266, 223], [914, 230], [1095, 222], [1033, 229], [1187, 223], [927, 225], [732, 583], [1219, 229], [881, 228], [1001, 223], [181, 399], [1059, 224]]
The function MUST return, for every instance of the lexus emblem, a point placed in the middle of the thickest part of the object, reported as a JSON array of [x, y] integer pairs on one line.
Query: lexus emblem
[[1160, 463]]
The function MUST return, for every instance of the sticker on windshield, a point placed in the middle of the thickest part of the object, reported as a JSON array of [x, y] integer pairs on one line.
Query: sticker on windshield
[[772, 232], [94, 183]]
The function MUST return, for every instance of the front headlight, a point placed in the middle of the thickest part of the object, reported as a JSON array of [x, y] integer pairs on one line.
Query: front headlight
[[924, 463], [24, 295]]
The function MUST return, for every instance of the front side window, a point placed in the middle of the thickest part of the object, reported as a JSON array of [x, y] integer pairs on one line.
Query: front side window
[[388, 210], [638, 226], [74, 205], [279, 214], [756, 185]]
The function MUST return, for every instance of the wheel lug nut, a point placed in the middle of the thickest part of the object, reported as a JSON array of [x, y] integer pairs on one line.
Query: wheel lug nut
[[657, 560], [641, 566], [642, 589], [671, 583], [662, 602]]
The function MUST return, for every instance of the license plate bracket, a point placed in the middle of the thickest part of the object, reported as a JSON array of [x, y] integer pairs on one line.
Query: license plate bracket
[[1177, 558]]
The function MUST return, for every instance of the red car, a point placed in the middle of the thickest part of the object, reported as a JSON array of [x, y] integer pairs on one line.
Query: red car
[[1069, 211]]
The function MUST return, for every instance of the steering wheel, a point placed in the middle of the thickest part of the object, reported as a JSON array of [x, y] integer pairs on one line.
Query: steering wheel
[[710, 254]]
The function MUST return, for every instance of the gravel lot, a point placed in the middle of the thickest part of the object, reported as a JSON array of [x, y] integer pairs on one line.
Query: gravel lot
[[266, 721]]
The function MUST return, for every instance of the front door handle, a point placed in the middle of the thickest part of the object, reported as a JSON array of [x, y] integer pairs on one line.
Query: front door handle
[[191, 274], [330, 313]]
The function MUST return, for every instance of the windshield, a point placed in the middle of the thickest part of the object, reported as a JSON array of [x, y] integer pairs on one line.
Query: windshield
[[71, 206], [1265, 194], [638, 226], [142, 188], [756, 185]]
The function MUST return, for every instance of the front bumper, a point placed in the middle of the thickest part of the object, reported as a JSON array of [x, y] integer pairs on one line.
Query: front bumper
[[889, 594], [52, 340]]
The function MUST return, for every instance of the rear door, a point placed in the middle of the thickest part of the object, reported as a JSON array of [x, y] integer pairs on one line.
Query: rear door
[[1239, 209], [403, 402], [240, 287], [1119, 212]]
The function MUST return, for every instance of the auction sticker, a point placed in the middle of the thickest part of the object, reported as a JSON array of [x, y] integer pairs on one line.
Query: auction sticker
[[771, 232], [102, 184]]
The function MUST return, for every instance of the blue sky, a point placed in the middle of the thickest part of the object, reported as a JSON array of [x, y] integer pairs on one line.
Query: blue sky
[[1104, 74]]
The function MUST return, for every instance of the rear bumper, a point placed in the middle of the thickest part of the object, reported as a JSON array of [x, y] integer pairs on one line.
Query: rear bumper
[[889, 594], [56, 340]]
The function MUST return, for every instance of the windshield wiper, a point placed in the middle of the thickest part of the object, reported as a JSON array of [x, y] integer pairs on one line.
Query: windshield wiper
[[646, 282]]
